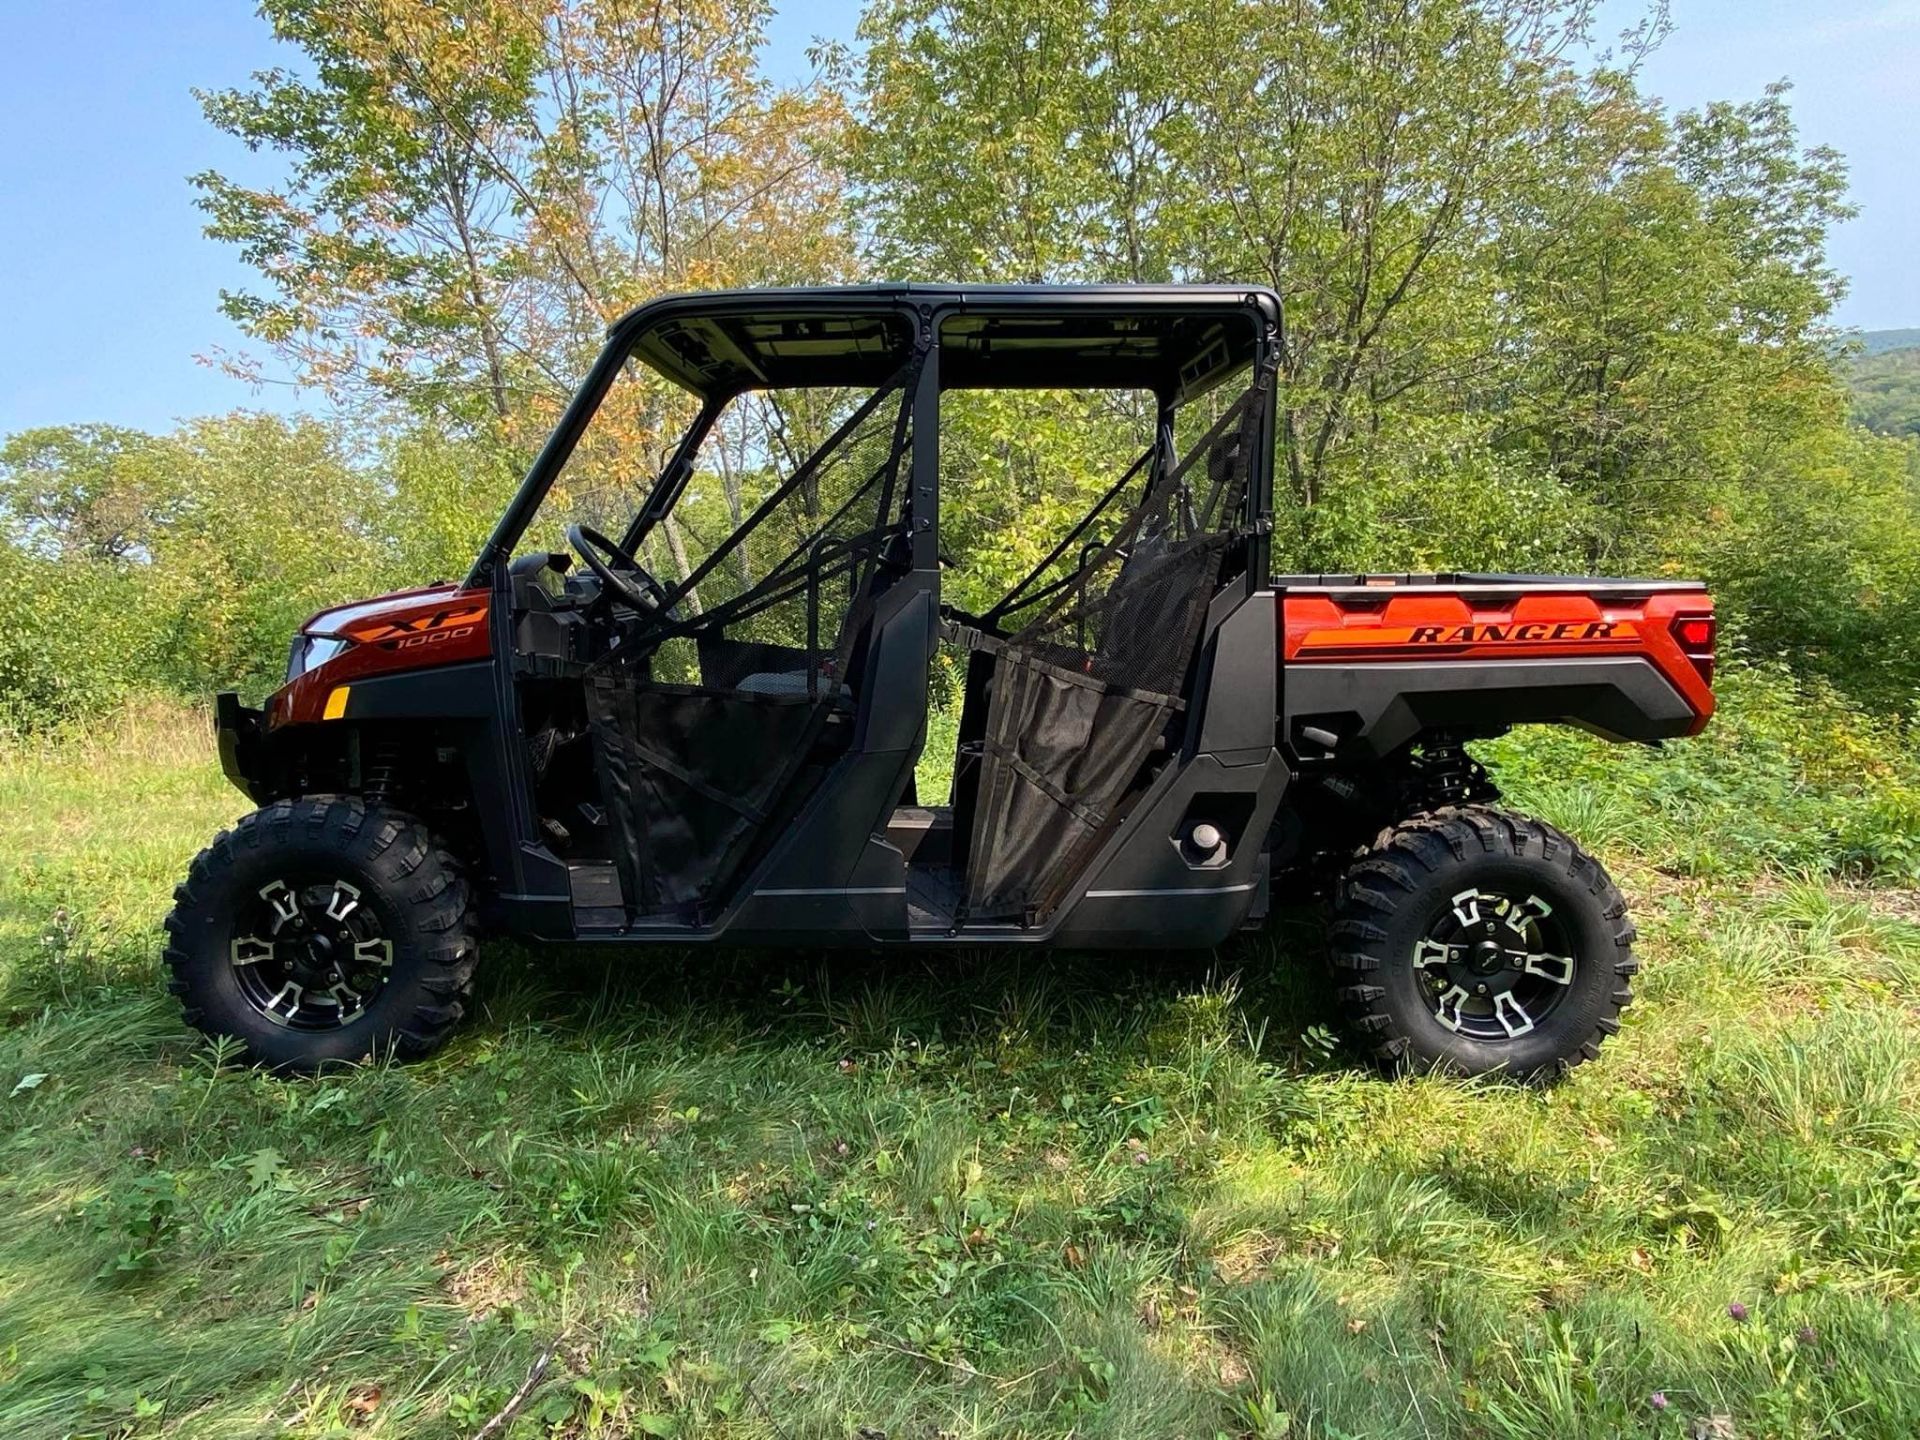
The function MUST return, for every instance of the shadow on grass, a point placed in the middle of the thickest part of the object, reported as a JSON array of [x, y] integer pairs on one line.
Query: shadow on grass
[[1272, 984]]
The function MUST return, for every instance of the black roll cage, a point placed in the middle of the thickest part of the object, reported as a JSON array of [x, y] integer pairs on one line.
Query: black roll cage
[[921, 311]]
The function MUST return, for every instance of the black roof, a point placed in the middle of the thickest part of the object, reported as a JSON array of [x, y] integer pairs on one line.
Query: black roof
[[1172, 339]]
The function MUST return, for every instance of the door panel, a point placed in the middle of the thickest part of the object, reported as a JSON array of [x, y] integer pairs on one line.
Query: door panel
[[718, 722]]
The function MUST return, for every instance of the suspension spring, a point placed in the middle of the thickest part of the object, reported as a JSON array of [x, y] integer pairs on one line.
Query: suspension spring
[[382, 770], [1441, 772]]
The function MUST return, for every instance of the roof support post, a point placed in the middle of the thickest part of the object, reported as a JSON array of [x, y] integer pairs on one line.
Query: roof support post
[[924, 501]]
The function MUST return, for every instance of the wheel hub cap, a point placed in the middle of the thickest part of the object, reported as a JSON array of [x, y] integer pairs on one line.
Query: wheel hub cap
[[1494, 964], [308, 954]]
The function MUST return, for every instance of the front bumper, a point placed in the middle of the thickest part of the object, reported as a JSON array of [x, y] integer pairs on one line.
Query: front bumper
[[241, 733]]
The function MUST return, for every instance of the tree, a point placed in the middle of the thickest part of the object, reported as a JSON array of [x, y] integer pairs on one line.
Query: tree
[[82, 492], [1677, 329], [475, 188], [181, 562], [1376, 161]]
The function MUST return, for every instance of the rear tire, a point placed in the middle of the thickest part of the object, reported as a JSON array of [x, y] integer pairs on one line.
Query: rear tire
[[1476, 941], [322, 931]]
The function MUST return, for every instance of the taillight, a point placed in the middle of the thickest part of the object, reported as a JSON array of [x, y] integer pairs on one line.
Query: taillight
[[1696, 635]]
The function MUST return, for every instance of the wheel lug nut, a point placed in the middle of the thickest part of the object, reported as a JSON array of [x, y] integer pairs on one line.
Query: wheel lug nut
[[1479, 989]]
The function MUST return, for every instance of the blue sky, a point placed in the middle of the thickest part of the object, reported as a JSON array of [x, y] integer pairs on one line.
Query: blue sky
[[110, 292]]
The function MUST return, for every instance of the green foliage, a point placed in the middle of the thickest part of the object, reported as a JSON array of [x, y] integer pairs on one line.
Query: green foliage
[[444, 494], [1816, 558], [139, 1215], [1885, 386], [1789, 776], [1023, 467], [185, 562], [83, 492], [1532, 321], [471, 191], [1439, 494]]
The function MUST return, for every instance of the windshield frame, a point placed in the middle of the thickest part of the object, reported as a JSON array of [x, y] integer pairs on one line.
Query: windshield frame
[[624, 341]]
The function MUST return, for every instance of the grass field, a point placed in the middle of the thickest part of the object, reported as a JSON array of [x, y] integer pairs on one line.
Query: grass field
[[804, 1195]]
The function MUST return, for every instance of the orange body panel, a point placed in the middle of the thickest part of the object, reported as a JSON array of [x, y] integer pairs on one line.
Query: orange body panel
[[1357, 628], [409, 631]]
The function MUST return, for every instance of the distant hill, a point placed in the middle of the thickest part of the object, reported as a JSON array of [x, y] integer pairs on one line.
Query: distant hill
[[1885, 381], [1879, 342]]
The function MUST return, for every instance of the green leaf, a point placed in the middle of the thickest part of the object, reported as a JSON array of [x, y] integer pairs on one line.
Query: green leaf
[[655, 1355], [263, 1168], [28, 1082]]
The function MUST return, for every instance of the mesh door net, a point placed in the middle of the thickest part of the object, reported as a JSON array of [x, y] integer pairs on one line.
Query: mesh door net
[[707, 726], [1089, 674]]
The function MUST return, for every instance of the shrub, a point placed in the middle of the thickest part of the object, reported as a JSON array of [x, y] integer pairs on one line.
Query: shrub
[[1791, 773]]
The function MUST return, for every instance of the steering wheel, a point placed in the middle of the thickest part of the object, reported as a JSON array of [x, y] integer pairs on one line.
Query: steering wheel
[[595, 549]]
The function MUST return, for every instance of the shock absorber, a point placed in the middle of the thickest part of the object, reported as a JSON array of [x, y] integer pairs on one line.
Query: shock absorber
[[1441, 772], [381, 772]]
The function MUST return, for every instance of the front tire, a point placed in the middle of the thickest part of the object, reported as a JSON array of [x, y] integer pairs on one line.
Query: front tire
[[321, 931], [1476, 941]]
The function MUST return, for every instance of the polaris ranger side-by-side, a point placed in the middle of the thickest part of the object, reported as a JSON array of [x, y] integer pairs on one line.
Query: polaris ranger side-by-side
[[708, 733]]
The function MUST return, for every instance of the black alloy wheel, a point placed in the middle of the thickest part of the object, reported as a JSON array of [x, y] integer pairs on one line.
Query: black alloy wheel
[[323, 930], [1495, 965], [1476, 941], [308, 954]]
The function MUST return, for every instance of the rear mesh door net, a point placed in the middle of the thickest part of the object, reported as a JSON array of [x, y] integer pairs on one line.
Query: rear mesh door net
[[1089, 668]]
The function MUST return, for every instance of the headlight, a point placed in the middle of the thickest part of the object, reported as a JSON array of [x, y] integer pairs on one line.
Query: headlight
[[312, 651]]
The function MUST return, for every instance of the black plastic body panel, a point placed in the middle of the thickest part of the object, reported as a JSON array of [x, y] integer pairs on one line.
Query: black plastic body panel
[[1376, 708], [239, 733], [530, 893], [1239, 676], [832, 871], [834, 879], [1146, 894]]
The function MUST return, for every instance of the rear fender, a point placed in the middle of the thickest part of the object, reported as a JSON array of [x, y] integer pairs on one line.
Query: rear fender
[[1374, 670]]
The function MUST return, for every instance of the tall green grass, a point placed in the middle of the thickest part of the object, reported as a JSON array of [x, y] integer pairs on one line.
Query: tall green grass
[[834, 1195]]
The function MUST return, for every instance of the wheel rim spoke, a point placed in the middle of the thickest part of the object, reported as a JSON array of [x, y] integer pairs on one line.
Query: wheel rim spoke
[[1557, 968], [1511, 1014], [283, 902], [1494, 964], [250, 950], [289, 992], [310, 953], [1529, 911], [342, 901], [377, 951]]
